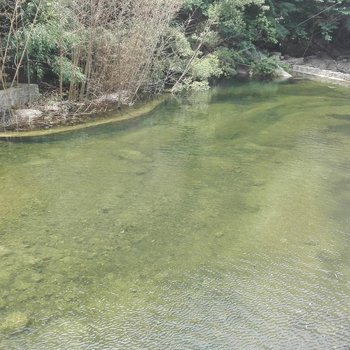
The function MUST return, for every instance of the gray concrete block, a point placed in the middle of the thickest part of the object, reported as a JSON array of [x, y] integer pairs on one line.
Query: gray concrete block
[[18, 96]]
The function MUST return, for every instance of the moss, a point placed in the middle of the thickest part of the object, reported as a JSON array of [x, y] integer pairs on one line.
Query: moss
[[14, 322], [4, 251]]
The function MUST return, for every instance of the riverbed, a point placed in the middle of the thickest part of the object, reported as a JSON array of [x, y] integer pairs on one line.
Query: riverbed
[[220, 220]]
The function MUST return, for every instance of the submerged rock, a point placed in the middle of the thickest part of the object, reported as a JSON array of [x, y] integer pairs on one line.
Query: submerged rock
[[219, 234], [130, 154], [37, 277], [5, 278], [14, 322], [4, 251], [21, 286]]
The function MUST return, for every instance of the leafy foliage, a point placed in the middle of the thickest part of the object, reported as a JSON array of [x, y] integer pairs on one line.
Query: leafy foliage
[[224, 34], [314, 21], [265, 69], [234, 31], [207, 41]]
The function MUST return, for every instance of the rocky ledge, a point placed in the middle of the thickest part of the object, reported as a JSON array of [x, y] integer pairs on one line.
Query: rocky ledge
[[45, 114], [321, 68]]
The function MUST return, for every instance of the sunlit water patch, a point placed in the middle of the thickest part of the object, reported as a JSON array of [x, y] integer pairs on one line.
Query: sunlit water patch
[[219, 221]]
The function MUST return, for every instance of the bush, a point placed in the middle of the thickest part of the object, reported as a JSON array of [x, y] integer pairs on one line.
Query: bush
[[206, 68], [265, 69]]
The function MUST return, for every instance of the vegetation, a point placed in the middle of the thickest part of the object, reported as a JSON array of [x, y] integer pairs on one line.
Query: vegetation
[[230, 35], [88, 48], [85, 48]]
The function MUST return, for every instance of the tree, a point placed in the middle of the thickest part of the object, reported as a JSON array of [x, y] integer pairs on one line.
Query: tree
[[311, 25], [86, 48]]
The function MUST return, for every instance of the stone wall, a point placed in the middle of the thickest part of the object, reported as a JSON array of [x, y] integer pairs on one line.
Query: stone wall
[[321, 74], [18, 96]]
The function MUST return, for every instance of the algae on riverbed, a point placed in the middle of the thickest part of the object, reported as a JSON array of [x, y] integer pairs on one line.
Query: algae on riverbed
[[221, 218]]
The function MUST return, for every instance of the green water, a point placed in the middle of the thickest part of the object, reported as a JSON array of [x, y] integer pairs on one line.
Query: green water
[[219, 221]]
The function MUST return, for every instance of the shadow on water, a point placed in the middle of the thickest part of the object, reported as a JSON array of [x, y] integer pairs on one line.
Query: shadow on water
[[343, 129], [345, 117]]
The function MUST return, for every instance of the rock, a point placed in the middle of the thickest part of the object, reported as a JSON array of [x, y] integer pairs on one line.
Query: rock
[[343, 67], [67, 259], [58, 108], [130, 154], [123, 97], [320, 63], [32, 260], [22, 285], [26, 115], [219, 234], [282, 75], [36, 277], [2, 304], [4, 251], [18, 96], [5, 278], [295, 61], [321, 74], [53, 108], [14, 322], [242, 72], [277, 55]]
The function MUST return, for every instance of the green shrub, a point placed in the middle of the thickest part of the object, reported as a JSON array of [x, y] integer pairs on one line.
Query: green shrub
[[264, 69], [228, 59], [206, 68]]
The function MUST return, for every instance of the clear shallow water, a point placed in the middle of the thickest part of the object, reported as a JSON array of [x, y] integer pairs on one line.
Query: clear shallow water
[[219, 221]]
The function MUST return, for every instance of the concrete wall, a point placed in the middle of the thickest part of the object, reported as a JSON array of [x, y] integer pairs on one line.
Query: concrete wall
[[321, 74], [18, 96]]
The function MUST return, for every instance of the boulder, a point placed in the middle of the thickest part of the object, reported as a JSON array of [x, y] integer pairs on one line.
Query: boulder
[[14, 322], [53, 108], [242, 72], [18, 96], [276, 55], [123, 97], [26, 115], [282, 75], [295, 60]]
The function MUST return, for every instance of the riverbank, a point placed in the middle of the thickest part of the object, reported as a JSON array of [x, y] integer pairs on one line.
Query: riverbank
[[81, 122], [25, 111], [51, 117], [324, 69]]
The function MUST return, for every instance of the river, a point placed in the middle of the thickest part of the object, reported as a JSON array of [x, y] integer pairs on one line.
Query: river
[[221, 220]]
